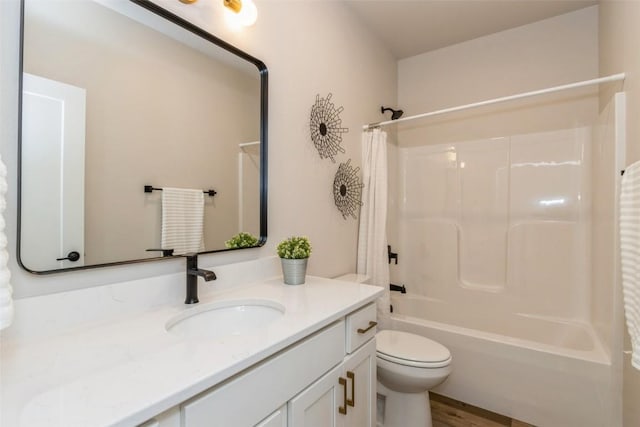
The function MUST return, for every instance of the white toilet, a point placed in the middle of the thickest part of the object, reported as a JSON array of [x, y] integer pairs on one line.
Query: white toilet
[[408, 366]]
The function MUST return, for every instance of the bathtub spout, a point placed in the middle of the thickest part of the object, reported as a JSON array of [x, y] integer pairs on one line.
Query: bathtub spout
[[398, 288]]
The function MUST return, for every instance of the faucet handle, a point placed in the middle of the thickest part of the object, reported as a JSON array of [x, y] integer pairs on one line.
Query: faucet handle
[[392, 255], [207, 275], [165, 252]]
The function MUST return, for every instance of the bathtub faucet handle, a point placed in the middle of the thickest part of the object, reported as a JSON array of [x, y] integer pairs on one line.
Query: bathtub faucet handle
[[392, 255]]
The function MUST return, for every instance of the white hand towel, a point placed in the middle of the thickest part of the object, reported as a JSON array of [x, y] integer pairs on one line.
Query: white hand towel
[[6, 302], [630, 255], [182, 220]]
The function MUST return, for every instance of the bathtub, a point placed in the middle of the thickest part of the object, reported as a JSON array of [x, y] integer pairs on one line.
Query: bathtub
[[544, 371]]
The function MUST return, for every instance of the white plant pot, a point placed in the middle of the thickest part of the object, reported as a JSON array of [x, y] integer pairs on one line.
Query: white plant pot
[[294, 271]]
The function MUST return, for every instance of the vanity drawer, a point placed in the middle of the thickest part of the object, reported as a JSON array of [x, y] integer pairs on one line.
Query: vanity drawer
[[250, 397], [361, 327]]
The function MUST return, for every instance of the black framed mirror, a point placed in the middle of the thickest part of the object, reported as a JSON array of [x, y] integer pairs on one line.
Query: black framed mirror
[[120, 101]]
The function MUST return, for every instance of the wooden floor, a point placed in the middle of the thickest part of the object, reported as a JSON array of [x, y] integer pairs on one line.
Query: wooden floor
[[447, 412]]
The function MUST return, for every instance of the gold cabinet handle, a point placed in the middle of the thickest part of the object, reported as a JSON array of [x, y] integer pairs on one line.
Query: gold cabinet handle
[[352, 377], [372, 324], [343, 409]]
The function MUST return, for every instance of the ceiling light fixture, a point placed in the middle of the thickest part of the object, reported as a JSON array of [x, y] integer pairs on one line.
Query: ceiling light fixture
[[235, 5]]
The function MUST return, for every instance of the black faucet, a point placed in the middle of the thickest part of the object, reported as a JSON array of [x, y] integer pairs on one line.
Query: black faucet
[[192, 278], [399, 288]]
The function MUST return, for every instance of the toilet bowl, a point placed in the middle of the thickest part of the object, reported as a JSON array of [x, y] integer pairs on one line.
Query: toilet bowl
[[408, 366]]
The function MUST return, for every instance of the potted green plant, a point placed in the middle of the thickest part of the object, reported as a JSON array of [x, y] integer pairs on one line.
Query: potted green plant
[[242, 240], [294, 253]]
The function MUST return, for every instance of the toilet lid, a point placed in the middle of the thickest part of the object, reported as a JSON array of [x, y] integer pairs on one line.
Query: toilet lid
[[411, 350]]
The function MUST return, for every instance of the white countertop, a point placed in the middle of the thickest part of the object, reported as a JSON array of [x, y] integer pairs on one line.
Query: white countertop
[[126, 370]]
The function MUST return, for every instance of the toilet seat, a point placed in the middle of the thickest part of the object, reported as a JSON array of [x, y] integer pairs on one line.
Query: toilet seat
[[413, 350]]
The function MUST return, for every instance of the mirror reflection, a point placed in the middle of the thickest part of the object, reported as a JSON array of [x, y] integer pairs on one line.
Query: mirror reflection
[[111, 105]]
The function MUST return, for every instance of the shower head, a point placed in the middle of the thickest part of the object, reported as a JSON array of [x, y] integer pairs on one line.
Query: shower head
[[395, 114]]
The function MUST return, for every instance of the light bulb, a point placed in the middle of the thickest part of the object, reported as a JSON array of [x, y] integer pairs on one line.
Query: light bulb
[[249, 13], [246, 17]]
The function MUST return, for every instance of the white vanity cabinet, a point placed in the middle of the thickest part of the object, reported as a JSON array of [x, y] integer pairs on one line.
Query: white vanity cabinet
[[136, 372], [326, 379], [346, 395], [343, 397]]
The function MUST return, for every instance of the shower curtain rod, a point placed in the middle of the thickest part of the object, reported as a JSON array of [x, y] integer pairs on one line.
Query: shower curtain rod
[[248, 144], [611, 78]]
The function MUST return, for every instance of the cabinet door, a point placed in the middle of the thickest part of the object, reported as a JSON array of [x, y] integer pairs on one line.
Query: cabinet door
[[318, 405], [276, 419], [360, 371], [345, 397], [250, 397], [169, 418]]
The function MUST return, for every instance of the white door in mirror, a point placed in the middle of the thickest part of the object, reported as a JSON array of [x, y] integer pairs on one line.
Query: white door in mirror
[[52, 210]]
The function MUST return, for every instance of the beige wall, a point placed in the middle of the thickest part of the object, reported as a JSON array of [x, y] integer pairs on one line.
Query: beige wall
[[619, 35], [310, 48], [555, 51]]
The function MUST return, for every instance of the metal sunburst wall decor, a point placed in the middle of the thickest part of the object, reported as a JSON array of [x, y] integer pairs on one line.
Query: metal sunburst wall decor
[[326, 128], [347, 190]]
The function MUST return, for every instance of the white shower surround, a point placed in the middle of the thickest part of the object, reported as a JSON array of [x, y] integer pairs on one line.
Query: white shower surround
[[500, 222], [514, 306]]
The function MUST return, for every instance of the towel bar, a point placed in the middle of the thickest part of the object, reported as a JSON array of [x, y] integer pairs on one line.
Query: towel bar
[[151, 188]]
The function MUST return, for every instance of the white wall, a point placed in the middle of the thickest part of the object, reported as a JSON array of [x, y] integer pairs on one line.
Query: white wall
[[551, 52], [310, 48], [619, 35]]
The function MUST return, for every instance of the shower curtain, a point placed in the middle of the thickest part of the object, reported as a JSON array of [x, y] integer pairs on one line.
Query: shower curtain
[[372, 237]]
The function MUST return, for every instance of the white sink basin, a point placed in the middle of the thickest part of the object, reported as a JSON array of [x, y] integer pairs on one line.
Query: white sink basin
[[225, 318]]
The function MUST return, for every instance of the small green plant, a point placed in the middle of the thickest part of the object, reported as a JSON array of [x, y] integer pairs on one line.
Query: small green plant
[[295, 247], [242, 240]]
